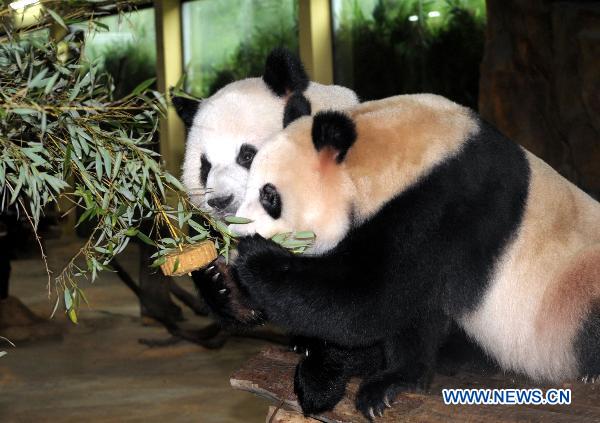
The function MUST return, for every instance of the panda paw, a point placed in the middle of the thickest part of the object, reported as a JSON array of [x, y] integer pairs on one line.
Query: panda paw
[[379, 392], [318, 387], [301, 344], [217, 286], [593, 379], [260, 263]]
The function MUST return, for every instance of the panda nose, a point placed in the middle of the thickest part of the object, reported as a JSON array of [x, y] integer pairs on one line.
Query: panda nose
[[220, 203]]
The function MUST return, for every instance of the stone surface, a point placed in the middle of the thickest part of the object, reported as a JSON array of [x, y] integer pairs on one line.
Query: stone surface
[[99, 372], [19, 324], [540, 82]]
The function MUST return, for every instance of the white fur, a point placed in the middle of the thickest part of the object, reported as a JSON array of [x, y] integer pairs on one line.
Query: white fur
[[511, 323], [248, 112], [308, 203]]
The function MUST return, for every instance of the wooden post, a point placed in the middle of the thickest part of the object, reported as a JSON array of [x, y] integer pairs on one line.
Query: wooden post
[[315, 36], [169, 68], [154, 287]]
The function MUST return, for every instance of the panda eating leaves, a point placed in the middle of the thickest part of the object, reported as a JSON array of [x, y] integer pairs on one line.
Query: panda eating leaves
[[224, 133], [425, 215]]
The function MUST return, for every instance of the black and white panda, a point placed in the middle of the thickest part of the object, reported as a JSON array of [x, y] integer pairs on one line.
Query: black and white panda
[[227, 129], [424, 215]]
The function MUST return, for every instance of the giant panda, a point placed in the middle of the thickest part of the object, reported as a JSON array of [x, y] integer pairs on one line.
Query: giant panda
[[424, 215], [227, 129]]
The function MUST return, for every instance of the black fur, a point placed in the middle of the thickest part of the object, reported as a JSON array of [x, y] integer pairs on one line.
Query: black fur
[[587, 345], [205, 167], [246, 155], [296, 107], [333, 129], [224, 298], [284, 72], [322, 374], [400, 278], [186, 108], [270, 200]]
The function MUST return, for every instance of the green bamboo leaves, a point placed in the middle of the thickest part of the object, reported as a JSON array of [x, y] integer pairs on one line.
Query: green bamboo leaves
[[66, 142]]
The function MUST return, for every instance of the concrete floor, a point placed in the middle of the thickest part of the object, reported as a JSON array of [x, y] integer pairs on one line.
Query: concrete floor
[[98, 372]]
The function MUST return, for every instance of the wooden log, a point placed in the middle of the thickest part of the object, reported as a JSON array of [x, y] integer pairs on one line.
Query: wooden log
[[270, 374], [279, 415], [190, 258]]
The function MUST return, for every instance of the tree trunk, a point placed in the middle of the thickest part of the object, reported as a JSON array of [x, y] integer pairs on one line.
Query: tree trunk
[[540, 82]]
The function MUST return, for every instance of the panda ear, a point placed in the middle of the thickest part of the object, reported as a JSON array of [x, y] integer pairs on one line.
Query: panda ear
[[296, 107], [334, 130], [186, 108], [284, 72]]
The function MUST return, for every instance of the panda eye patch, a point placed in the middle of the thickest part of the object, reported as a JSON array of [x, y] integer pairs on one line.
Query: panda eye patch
[[270, 200], [246, 155], [205, 166]]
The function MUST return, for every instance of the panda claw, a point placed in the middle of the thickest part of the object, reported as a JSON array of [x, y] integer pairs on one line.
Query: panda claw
[[216, 276], [371, 413], [295, 348], [210, 268], [223, 291], [306, 352], [386, 401]]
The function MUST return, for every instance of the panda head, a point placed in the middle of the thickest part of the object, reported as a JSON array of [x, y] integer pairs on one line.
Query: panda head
[[299, 182], [226, 130]]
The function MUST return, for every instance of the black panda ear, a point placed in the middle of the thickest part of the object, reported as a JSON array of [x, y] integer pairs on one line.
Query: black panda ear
[[284, 72], [335, 130], [186, 108], [296, 107]]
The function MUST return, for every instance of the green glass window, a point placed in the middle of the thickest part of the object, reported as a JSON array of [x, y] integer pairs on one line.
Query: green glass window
[[126, 47], [389, 47], [226, 40]]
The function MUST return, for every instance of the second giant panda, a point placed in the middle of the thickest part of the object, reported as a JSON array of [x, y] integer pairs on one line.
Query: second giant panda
[[227, 129], [424, 215]]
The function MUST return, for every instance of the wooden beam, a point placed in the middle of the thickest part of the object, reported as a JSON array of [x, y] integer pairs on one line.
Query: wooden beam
[[314, 27], [169, 68]]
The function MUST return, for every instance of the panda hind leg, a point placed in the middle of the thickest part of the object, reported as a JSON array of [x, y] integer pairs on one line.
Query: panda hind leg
[[410, 359], [379, 391], [588, 348]]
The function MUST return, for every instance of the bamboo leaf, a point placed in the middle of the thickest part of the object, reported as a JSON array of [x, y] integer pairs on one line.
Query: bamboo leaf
[[144, 238], [51, 83], [159, 261], [73, 315], [57, 18], [38, 79], [143, 86], [68, 299], [305, 235], [238, 220]]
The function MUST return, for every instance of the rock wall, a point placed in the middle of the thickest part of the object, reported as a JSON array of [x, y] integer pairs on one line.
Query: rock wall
[[540, 82]]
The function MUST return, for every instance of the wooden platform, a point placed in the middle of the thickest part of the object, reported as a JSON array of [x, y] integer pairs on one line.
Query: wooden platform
[[270, 375]]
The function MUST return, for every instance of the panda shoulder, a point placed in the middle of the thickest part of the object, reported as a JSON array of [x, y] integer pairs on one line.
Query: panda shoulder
[[330, 96]]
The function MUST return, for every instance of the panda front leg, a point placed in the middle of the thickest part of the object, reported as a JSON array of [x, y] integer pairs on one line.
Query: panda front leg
[[320, 379], [312, 296], [219, 291], [410, 358]]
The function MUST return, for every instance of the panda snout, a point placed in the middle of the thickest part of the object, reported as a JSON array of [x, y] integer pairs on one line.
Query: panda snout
[[220, 203]]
